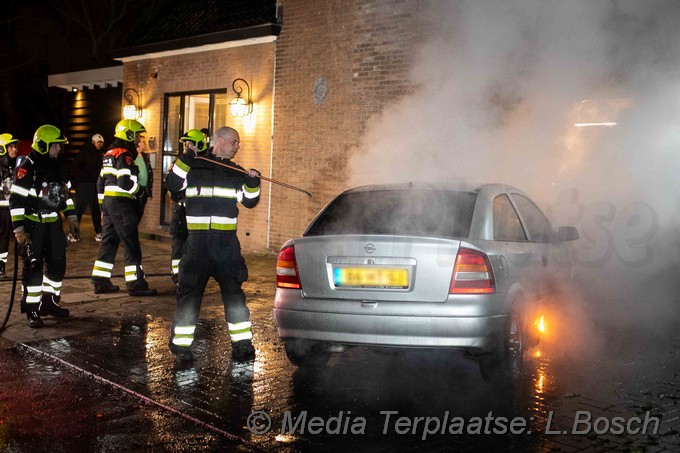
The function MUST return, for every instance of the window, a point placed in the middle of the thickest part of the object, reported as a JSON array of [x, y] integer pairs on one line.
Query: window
[[506, 223], [184, 111], [433, 213], [537, 223]]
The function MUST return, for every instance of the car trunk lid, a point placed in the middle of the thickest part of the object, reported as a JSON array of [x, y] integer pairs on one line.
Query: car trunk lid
[[375, 268]]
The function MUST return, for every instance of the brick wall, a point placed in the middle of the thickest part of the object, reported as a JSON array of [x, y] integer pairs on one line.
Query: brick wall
[[208, 71], [362, 49]]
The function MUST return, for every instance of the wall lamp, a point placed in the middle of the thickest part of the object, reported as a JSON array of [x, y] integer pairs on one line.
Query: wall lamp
[[132, 110], [239, 106]]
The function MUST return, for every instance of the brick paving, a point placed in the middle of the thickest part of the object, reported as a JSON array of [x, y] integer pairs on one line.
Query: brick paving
[[123, 340]]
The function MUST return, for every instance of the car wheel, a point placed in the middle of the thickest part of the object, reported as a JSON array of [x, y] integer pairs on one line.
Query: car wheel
[[302, 353], [504, 367]]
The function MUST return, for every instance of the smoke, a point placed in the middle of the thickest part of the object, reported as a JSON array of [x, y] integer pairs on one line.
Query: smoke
[[501, 86]]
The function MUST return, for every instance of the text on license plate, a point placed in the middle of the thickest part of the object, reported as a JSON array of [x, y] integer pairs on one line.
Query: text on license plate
[[370, 277]]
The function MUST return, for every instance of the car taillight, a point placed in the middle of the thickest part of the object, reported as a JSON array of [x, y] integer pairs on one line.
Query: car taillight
[[286, 269], [472, 273]]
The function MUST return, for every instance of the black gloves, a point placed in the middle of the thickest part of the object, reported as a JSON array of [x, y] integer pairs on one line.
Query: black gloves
[[251, 181]]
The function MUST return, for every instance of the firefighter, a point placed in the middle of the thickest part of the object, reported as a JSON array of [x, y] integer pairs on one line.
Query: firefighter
[[118, 188], [39, 192], [212, 248], [178, 225], [8, 157]]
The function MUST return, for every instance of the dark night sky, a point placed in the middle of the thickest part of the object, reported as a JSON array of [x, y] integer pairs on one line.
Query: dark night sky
[[42, 37]]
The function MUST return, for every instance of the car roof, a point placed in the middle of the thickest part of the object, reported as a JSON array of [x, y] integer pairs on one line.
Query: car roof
[[455, 186]]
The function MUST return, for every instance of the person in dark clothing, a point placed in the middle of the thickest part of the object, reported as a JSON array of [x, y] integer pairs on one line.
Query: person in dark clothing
[[8, 157], [85, 169], [39, 193], [118, 184], [212, 248], [178, 224]]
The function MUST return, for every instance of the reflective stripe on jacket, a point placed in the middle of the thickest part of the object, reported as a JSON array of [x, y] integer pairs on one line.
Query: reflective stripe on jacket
[[118, 176], [212, 192]]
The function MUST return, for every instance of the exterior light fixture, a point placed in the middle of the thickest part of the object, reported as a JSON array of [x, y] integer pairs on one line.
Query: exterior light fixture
[[74, 89], [239, 106], [132, 110]]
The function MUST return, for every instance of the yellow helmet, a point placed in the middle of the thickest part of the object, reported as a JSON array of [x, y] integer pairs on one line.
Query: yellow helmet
[[44, 136], [196, 137], [5, 140], [128, 129]]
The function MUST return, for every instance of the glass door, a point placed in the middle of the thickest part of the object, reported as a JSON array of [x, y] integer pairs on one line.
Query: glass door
[[184, 111]]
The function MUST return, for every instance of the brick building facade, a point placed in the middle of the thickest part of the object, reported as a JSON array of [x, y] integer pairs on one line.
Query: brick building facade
[[333, 66], [360, 50]]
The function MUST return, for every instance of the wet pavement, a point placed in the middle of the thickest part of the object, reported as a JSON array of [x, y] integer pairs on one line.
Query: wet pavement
[[104, 380]]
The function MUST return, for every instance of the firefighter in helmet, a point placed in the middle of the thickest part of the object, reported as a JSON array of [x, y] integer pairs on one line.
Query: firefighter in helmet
[[212, 248], [39, 193], [118, 188], [8, 157], [178, 225]]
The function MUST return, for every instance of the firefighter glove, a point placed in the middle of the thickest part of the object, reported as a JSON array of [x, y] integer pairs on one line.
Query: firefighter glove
[[22, 237], [253, 181], [74, 225]]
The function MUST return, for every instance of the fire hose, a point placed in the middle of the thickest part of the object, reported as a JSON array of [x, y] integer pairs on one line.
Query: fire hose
[[14, 286], [271, 180]]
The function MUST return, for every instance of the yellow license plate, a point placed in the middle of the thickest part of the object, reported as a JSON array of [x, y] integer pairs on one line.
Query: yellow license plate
[[370, 277]]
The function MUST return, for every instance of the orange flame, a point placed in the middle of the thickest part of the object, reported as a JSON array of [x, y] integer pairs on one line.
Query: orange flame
[[540, 324]]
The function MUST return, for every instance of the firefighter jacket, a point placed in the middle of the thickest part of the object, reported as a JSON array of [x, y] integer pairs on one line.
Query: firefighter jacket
[[6, 166], [118, 176], [39, 191], [212, 192], [178, 196]]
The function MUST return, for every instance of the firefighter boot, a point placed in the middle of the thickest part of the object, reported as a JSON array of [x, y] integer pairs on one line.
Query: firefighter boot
[[49, 306], [242, 351], [142, 292], [104, 285], [181, 352], [141, 288], [34, 320]]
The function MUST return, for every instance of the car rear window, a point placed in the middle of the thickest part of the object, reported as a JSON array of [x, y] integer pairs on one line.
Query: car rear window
[[431, 213]]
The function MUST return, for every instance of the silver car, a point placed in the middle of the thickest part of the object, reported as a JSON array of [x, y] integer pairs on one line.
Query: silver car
[[419, 266]]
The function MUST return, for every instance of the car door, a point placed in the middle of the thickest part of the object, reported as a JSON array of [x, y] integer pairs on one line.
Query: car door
[[540, 235], [513, 252]]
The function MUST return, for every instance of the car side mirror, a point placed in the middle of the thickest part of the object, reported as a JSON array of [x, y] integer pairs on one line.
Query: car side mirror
[[566, 233]]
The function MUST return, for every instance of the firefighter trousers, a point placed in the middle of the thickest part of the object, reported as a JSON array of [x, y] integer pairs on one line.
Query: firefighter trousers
[[178, 229], [214, 254], [120, 227], [48, 250]]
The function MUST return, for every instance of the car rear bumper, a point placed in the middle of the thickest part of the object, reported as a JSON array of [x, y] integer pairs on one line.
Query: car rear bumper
[[477, 335]]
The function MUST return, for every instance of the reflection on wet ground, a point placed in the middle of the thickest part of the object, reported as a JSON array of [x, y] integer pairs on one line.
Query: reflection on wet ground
[[104, 380], [361, 394]]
